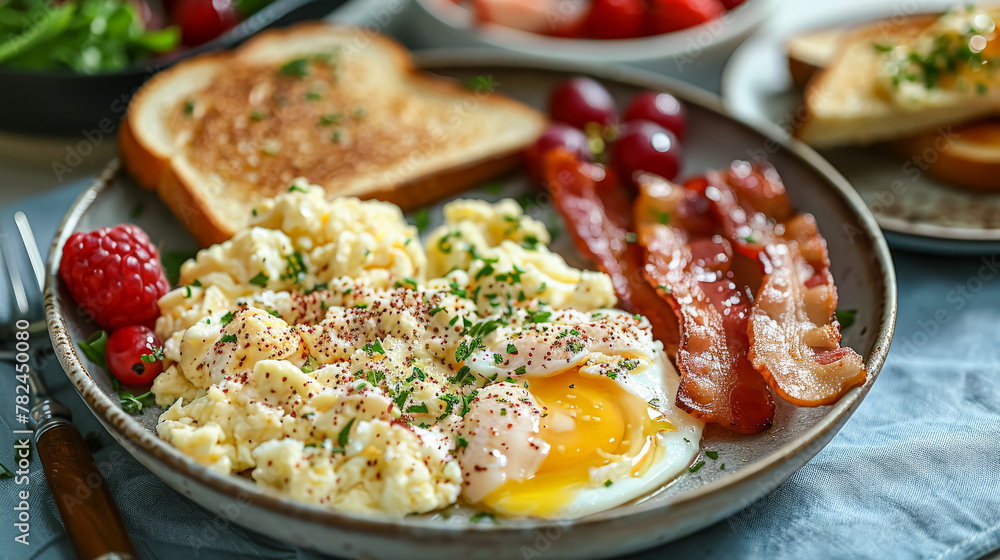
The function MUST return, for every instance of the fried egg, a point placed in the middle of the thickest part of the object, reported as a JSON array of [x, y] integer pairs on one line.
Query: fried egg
[[586, 423]]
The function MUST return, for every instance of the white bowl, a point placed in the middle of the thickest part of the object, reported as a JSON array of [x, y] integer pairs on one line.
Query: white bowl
[[442, 23]]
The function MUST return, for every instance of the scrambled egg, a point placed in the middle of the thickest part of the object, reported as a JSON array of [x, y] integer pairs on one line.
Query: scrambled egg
[[331, 354]]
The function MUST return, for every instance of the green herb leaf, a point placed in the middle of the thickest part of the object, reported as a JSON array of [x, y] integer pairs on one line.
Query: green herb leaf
[[697, 466], [298, 68], [846, 317], [713, 455], [345, 433], [481, 516], [172, 261], [93, 348], [422, 219], [227, 338], [260, 280]]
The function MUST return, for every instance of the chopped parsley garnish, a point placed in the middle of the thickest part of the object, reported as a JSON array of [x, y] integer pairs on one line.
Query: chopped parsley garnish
[[374, 347], [630, 364], [319, 286], [530, 242], [298, 68], [133, 404], [297, 188], [722, 467], [228, 338], [575, 347], [188, 107], [345, 433], [520, 371], [481, 84], [422, 219], [314, 95], [400, 399], [330, 118], [155, 355], [497, 359], [257, 116], [418, 408], [846, 317], [417, 374], [485, 271], [483, 516], [608, 483], [443, 244], [503, 412], [456, 290], [539, 316], [713, 455], [464, 376], [337, 136], [511, 349], [260, 280], [361, 305], [295, 268], [187, 291], [434, 311], [697, 466], [461, 442], [882, 47], [225, 319]]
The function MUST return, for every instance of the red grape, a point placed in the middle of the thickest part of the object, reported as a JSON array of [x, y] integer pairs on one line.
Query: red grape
[[204, 20], [646, 146], [579, 101], [616, 19], [662, 108], [665, 16], [124, 353], [557, 135]]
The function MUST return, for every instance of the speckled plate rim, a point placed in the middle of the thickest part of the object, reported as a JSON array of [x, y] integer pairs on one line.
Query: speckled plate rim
[[939, 238], [806, 445]]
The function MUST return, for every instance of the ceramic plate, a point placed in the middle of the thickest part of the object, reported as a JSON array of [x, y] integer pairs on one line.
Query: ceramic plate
[[915, 211], [754, 464]]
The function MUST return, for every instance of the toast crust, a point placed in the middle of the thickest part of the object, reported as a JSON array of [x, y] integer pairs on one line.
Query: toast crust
[[152, 160]]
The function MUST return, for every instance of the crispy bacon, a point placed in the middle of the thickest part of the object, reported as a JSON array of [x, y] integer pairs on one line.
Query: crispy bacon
[[718, 382], [793, 333], [600, 220]]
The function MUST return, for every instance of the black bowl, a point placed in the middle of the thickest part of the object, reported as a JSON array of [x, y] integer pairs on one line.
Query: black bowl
[[56, 103]]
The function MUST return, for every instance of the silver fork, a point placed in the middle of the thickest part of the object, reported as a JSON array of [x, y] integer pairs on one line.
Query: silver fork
[[92, 520]]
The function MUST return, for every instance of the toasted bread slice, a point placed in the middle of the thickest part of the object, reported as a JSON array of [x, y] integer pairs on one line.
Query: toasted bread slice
[[340, 106], [854, 101], [966, 156]]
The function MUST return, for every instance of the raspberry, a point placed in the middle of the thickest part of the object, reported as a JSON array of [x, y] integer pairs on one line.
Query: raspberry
[[115, 275]]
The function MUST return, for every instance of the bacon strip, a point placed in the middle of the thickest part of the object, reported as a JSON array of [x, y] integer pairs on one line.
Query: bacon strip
[[599, 220], [718, 382], [793, 333]]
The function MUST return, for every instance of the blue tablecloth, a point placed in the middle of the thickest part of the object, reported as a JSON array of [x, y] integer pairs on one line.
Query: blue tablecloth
[[915, 473]]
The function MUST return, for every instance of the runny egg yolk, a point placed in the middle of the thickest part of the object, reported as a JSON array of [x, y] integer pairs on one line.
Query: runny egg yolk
[[590, 421]]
